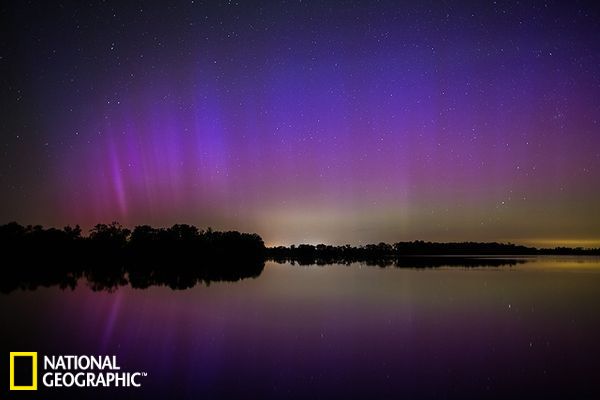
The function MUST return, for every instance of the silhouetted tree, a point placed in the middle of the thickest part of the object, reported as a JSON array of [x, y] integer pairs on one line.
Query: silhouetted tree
[[111, 233]]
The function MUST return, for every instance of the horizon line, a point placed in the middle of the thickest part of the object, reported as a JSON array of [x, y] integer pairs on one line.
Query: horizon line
[[590, 244]]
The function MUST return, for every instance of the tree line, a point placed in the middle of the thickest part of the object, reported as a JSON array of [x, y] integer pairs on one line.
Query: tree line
[[180, 241], [187, 242], [385, 253], [182, 256]]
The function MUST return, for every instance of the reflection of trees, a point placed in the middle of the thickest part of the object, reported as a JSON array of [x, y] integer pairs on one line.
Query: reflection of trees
[[175, 276], [107, 277]]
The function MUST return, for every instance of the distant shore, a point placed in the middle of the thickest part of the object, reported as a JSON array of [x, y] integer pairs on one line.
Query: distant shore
[[187, 242]]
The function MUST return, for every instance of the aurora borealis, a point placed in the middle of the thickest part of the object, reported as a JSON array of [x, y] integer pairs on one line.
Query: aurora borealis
[[335, 122]]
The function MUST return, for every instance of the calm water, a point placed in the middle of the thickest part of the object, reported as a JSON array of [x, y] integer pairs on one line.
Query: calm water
[[336, 331]]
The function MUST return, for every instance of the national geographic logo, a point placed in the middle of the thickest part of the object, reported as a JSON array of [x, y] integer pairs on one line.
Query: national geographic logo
[[62, 371], [23, 370]]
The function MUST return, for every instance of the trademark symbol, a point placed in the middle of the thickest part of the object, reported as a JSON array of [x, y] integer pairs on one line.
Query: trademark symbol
[[144, 374]]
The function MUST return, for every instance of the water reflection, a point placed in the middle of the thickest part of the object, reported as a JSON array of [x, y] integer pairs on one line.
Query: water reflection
[[357, 331], [181, 275], [109, 277]]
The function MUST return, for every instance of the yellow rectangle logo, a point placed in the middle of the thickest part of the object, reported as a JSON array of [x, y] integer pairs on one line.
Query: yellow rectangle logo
[[33, 356]]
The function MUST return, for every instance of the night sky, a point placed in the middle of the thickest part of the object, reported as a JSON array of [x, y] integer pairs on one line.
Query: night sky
[[337, 122]]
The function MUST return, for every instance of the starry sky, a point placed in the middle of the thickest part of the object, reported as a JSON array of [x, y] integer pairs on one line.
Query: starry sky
[[336, 122]]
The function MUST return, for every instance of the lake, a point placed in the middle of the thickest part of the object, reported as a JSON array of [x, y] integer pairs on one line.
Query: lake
[[530, 328]]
